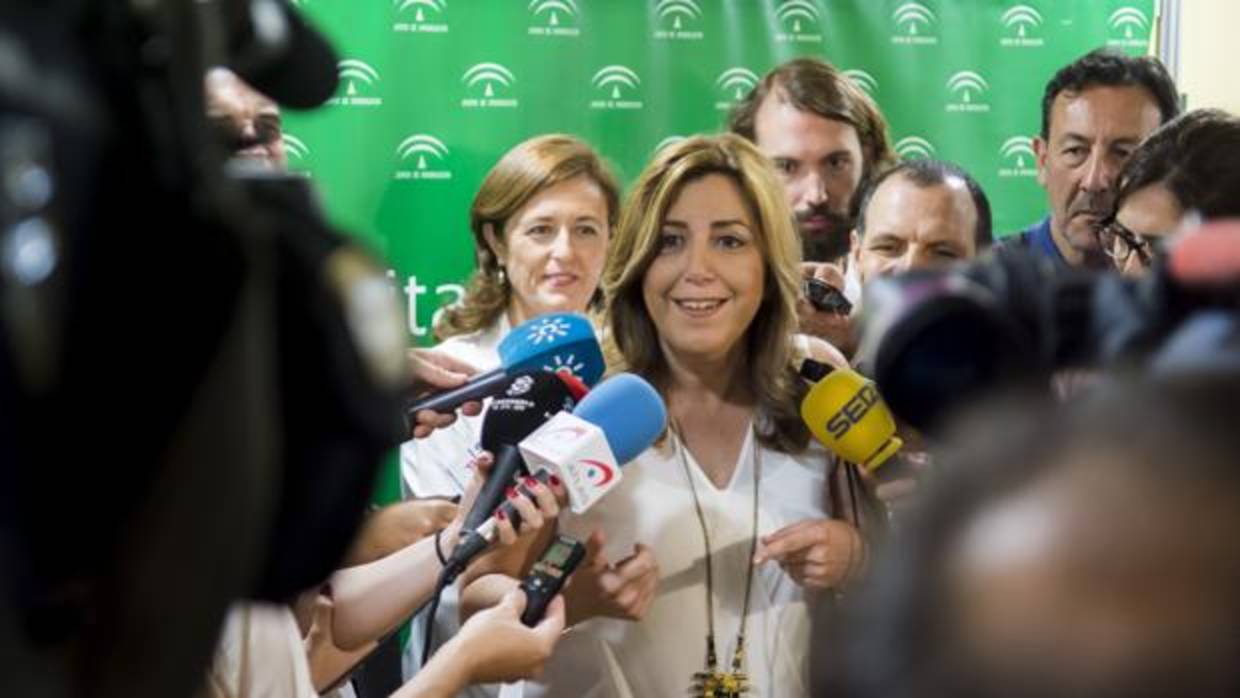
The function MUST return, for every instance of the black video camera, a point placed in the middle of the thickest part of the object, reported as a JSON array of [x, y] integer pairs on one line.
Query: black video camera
[[198, 375], [936, 341]]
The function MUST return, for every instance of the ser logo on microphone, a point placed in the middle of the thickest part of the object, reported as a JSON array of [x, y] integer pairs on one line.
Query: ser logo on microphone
[[852, 412]]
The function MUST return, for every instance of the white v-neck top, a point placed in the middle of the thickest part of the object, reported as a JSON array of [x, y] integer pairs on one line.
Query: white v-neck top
[[606, 658]]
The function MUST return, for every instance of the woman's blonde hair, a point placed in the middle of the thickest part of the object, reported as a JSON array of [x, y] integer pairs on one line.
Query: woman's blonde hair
[[529, 168], [632, 339]]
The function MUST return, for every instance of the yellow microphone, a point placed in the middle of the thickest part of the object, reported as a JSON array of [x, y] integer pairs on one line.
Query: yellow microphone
[[844, 411]]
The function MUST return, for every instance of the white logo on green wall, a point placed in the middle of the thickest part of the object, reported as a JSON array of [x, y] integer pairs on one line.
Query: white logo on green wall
[[619, 84], [862, 79], [915, 25], [427, 16], [486, 80], [915, 148], [1020, 25], [968, 89], [735, 83], [1129, 28], [295, 147], [557, 17], [1019, 158], [803, 18], [357, 79], [426, 154], [676, 20]]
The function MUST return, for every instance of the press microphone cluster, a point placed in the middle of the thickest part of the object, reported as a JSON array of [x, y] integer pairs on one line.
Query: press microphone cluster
[[555, 342], [584, 449], [528, 401]]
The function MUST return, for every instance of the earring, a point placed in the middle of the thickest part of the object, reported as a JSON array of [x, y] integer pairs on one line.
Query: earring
[[501, 276]]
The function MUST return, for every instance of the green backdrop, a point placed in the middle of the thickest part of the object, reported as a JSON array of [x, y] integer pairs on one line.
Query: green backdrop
[[433, 92]]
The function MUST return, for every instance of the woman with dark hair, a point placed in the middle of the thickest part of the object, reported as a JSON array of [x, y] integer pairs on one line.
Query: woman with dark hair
[[1189, 167]]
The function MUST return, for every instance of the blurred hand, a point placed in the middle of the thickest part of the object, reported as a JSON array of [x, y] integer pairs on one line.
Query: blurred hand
[[897, 482], [815, 553], [498, 647], [835, 328], [435, 371], [399, 525], [320, 647], [481, 465], [624, 590]]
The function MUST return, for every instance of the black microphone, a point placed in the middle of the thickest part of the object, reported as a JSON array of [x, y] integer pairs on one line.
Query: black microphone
[[622, 417], [529, 401], [560, 342]]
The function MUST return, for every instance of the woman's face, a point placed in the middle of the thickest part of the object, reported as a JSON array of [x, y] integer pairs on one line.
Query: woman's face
[[705, 285], [553, 249], [1148, 213]]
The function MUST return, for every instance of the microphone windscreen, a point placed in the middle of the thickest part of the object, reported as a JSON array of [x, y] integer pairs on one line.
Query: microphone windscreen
[[563, 342], [845, 412], [628, 410], [528, 402]]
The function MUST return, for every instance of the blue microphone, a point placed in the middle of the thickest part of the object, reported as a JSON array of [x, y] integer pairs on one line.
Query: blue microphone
[[559, 342], [628, 410], [631, 415]]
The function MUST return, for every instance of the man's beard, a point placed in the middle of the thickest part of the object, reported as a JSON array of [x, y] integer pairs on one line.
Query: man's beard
[[828, 244]]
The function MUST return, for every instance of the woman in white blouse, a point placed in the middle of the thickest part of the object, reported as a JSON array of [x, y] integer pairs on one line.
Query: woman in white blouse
[[541, 222], [701, 290]]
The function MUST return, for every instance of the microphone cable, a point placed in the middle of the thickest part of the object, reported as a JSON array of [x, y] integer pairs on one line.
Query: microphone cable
[[451, 570]]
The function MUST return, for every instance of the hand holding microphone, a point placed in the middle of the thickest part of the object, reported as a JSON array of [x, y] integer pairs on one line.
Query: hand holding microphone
[[823, 309], [525, 405], [521, 514], [435, 371], [845, 412], [556, 342], [584, 450]]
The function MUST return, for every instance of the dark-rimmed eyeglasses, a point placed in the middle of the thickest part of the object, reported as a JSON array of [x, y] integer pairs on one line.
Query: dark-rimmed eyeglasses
[[1130, 243]]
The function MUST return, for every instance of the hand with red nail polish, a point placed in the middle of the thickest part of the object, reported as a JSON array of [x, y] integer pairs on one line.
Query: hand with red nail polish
[[537, 505]]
